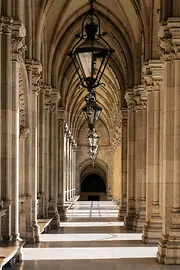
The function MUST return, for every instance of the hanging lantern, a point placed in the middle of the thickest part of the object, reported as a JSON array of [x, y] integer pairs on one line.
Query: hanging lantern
[[91, 53]]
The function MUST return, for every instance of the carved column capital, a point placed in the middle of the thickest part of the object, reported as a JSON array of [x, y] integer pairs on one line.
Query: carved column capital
[[140, 97], [18, 46], [152, 75], [174, 29], [6, 25], [36, 76], [124, 122], [165, 48], [61, 122], [24, 132], [129, 96], [29, 64]]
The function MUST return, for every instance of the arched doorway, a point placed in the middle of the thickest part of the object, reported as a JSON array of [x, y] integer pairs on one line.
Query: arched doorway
[[93, 188]]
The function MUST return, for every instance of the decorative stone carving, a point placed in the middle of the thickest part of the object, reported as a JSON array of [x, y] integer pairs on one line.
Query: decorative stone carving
[[7, 202], [18, 48], [22, 120], [7, 24], [24, 132], [152, 76], [124, 122], [166, 50], [22, 198], [36, 76]]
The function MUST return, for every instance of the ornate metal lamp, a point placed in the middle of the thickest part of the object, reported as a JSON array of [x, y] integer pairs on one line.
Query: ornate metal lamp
[[93, 138], [92, 112], [91, 52]]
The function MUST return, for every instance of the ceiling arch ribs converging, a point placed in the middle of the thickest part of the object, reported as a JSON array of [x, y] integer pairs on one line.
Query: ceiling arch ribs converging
[[122, 35]]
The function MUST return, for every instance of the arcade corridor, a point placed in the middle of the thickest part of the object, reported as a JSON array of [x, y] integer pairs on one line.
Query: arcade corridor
[[91, 238]]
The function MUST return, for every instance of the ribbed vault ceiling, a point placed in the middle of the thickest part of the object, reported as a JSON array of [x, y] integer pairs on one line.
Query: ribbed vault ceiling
[[59, 21]]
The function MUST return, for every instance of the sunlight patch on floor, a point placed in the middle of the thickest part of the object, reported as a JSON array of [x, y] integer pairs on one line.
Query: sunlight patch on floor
[[91, 224], [90, 237], [89, 253]]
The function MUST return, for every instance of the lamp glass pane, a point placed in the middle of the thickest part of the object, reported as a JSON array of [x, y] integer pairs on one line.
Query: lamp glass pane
[[85, 61]]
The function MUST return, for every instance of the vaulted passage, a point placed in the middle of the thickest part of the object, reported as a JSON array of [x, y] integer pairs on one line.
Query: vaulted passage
[[90, 127]]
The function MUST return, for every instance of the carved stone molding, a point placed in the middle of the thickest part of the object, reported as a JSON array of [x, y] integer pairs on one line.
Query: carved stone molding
[[24, 132], [22, 118]]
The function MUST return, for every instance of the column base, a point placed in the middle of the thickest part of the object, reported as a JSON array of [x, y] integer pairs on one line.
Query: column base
[[130, 216], [32, 233], [41, 212], [169, 246], [61, 210], [140, 218], [152, 230], [51, 209], [122, 211], [139, 221]]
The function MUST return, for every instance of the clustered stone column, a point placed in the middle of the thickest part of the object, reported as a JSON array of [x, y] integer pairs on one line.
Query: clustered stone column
[[136, 158], [152, 79], [140, 97], [6, 129], [169, 244]]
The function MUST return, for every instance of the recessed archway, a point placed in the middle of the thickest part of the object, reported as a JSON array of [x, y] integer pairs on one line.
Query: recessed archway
[[93, 187]]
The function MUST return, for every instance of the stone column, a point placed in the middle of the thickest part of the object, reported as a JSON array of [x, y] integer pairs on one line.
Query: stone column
[[62, 164], [140, 156], [46, 149], [130, 211], [123, 196], [22, 195], [41, 156], [169, 244], [18, 128], [65, 167], [51, 208], [53, 194], [68, 165], [8, 136], [152, 79], [32, 228], [74, 168]]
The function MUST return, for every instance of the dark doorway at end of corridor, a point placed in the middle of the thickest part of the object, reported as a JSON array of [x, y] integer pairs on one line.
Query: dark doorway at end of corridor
[[93, 188]]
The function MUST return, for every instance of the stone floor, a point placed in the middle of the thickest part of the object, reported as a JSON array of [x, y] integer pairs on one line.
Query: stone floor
[[92, 238]]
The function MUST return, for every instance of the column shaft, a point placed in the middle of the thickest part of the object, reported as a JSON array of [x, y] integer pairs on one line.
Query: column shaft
[[123, 196], [130, 211]]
